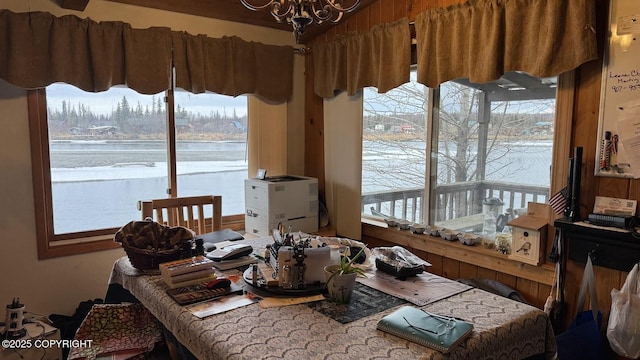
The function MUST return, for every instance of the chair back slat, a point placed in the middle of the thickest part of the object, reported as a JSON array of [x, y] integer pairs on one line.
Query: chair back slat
[[192, 220], [159, 215], [180, 220], [217, 220], [193, 207]]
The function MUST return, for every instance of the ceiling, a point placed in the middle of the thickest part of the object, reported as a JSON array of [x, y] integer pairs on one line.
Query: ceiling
[[515, 86], [231, 10]]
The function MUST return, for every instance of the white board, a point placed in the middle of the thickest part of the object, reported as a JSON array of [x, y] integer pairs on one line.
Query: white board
[[620, 94]]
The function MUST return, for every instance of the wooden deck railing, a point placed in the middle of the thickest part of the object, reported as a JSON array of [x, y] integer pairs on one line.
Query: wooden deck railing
[[452, 200]]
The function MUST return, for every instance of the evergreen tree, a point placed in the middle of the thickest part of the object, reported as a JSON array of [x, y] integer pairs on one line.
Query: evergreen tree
[[126, 110]]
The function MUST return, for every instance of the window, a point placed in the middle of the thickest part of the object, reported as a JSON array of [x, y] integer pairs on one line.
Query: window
[[105, 151], [211, 150], [394, 134], [489, 145]]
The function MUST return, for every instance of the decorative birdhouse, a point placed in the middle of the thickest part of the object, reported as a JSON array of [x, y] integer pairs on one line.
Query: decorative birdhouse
[[528, 238]]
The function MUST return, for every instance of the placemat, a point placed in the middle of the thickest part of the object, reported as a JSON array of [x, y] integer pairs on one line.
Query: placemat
[[365, 301], [419, 290]]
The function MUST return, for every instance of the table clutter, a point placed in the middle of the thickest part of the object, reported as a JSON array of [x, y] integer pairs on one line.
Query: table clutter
[[303, 323], [184, 272]]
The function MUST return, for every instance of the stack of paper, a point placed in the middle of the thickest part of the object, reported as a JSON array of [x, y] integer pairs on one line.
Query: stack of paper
[[186, 272]]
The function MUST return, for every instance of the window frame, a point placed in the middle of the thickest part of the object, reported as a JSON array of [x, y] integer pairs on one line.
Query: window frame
[[51, 245], [560, 149]]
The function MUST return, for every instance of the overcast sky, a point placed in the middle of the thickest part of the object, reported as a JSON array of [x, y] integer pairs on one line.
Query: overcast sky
[[105, 102]]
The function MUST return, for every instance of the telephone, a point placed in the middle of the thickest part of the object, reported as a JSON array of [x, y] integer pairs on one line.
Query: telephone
[[230, 252]]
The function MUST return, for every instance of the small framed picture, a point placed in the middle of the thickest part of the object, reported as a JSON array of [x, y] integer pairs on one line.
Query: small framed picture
[[262, 173]]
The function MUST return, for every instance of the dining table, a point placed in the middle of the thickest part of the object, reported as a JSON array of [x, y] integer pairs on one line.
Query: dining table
[[502, 328]]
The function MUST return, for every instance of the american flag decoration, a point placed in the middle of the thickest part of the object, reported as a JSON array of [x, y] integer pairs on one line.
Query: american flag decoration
[[558, 201]]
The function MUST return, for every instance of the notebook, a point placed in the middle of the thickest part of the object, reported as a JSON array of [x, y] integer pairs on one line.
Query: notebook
[[220, 236], [426, 329]]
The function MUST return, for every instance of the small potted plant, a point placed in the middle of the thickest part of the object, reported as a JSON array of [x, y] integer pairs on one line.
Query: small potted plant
[[341, 278]]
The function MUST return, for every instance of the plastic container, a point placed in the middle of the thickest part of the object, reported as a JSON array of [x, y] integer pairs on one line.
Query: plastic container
[[491, 207]]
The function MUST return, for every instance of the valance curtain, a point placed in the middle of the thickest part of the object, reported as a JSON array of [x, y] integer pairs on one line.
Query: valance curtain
[[483, 39], [232, 66], [380, 57], [39, 49]]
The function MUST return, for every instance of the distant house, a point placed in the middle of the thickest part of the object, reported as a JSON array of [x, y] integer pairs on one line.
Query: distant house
[[103, 130], [182, 124], [408, 129], [76, 131], [543, 128], [239, 126]]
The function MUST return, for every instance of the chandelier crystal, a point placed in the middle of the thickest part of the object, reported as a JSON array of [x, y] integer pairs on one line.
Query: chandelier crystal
[[301, 13]]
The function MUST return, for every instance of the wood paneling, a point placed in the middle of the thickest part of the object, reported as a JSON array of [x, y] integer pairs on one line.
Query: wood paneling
[[436, 263], [231, 10], [374, 13], [584, 133], [313, 131], [467, 271]]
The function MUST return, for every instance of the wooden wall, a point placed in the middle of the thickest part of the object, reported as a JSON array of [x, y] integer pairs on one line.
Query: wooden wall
[[584, 133]]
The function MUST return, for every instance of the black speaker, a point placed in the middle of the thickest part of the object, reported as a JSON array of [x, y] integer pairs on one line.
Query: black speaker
[[567, 208], [574, 185]]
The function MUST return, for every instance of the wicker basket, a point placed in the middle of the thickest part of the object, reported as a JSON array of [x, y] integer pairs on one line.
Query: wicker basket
[[153, 243], [149, 259]]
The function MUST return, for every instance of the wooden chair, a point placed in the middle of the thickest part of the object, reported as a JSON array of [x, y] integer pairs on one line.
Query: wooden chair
[[185, 211]]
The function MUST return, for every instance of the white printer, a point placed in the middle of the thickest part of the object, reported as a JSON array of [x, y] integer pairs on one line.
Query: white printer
[[287, 199]]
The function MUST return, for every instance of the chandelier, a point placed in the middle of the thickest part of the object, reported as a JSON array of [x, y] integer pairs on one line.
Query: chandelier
[[301, 13]]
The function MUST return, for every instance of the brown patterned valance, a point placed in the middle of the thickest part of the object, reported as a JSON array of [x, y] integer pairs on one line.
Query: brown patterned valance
[[478, 39], [483, 39], [40, 49], [380, 57], [232, 66]]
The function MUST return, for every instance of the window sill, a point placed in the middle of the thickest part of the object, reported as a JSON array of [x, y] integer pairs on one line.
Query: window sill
[[93, 241], [474, 255]]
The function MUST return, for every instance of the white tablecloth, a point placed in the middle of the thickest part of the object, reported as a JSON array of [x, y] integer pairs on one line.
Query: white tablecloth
[[503, 328]]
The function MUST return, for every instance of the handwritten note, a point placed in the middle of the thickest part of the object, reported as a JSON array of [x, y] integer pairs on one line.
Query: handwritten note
[[627, 81]]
